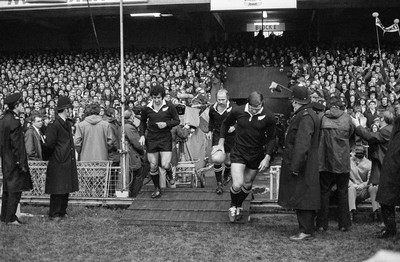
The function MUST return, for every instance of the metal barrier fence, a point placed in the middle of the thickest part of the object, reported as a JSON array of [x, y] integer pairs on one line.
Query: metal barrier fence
[[96, 179], [101, 180], [274, 174]]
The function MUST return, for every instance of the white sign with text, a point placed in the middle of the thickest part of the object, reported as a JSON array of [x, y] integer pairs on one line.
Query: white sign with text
[[225, 5]]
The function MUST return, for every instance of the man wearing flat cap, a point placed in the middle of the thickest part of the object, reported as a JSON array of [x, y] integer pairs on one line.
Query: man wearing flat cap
[[62, 175], [299, 182], [14, 164]]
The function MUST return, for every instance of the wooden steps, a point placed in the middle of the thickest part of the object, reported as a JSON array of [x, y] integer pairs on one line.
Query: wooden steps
[[179, 206]]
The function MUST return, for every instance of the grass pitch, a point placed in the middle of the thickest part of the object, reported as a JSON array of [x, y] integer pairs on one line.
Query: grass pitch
[[95, 234]]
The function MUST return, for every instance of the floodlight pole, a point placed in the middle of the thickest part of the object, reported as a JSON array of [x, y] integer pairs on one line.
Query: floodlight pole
[[123, 145], [262, 23]]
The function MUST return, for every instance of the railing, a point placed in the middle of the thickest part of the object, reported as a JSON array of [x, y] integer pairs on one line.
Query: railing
[[96, 179], [101, 180], [274, 174]]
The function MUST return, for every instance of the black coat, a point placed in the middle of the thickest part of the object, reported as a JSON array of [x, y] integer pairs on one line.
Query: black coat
[[136, 151], [334, 149], [378, 143], [33, 144], [14, 161], [389, 182], [300, 155], [62, 175]]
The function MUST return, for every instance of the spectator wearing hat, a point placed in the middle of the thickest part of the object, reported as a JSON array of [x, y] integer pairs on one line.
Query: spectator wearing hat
[[14, 160], [157, 119], [334, 162], [62, 174], [299, 182], [255, 127]]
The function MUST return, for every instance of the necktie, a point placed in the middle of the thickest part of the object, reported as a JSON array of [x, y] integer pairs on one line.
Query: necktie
[[41, 136]]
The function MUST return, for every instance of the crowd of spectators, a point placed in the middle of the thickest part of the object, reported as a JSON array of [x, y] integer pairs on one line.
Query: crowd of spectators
[[364, 82], [365, 79], [94, 77]]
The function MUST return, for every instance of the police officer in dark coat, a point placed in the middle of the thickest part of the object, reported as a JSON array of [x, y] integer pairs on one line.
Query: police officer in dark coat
[[299, 181], [388, 194], [17, 177], [62, 175]]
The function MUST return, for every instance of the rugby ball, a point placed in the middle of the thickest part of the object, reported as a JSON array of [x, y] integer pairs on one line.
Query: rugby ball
[[217, 155]]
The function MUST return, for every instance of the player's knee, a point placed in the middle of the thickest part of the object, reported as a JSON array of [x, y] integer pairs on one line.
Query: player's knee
[[154, 172], [247, 186], [166, 166], [235, 189], [153, 167], [237, 184]]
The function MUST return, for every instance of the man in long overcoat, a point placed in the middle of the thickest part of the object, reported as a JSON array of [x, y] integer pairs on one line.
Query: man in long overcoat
[[62, 175], [378, 145], [299, 181], [14, 161], [389, 183]]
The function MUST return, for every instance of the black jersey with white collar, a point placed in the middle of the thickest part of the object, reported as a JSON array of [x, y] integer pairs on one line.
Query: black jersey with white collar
[[167, 113], [216, 118], [252, 131]]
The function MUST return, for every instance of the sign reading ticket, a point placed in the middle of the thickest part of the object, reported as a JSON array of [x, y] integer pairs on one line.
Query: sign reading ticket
[[225, 5]]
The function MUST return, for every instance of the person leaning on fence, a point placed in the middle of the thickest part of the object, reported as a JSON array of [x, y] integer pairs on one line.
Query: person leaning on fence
[[135, 153], [299, 187], [158, 118], [217, 114], [252, 150], [34, 139], [62, 174], [14, 161]]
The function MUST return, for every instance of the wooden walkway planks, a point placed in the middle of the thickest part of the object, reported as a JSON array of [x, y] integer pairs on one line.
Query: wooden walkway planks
[[181, 206]]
